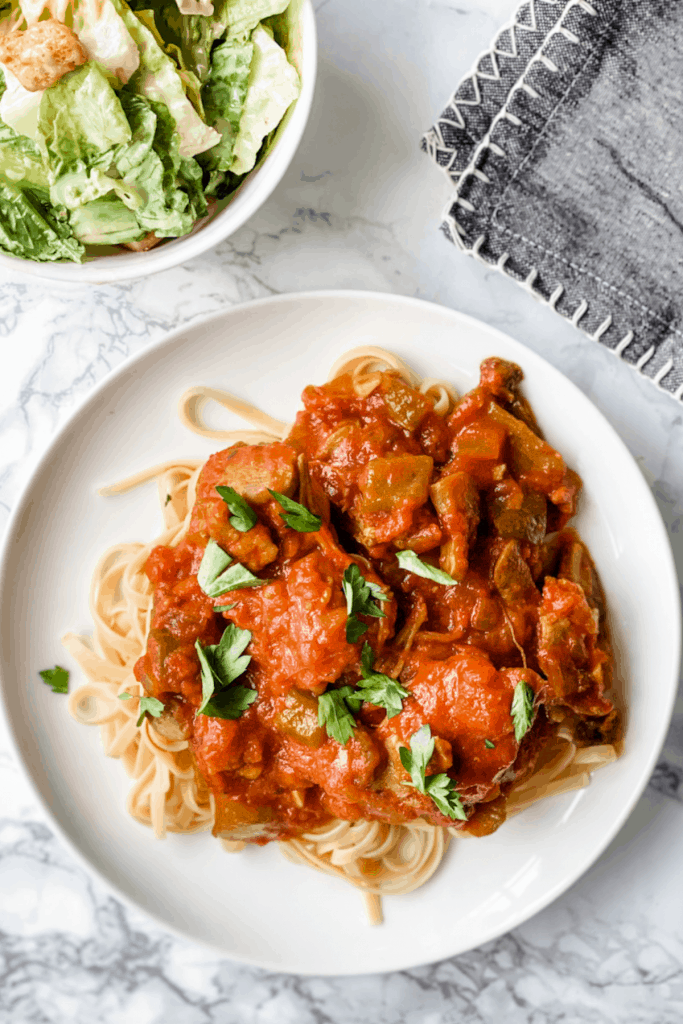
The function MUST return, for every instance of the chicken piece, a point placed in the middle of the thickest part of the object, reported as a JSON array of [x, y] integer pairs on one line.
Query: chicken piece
[[576, 565], [569, 648], [298, 626], [466, 700], [42, 54], [250, 470], [456, 500]]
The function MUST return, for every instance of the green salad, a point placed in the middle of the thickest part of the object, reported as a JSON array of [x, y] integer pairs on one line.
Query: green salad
[[123, 123]]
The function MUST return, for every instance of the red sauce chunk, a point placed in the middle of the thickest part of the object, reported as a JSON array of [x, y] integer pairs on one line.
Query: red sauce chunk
[[509, 641]]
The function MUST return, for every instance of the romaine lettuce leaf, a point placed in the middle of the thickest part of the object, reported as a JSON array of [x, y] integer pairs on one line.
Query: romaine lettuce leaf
[[105, 38], [224, 95], [84, 185], [21, 160], [150, 165], [105, 221], [142, 121], [191, 176], [18, 107], [31, 229], [194, 36], [158, 79], [239, 17], [189, 36], [81, 121], [273, 87], [126, 150]]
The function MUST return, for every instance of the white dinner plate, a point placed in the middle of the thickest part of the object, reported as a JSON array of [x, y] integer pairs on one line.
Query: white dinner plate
[[255, 906]]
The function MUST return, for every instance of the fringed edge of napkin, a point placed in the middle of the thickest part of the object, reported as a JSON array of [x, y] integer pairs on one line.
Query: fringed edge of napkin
[[462, 140]]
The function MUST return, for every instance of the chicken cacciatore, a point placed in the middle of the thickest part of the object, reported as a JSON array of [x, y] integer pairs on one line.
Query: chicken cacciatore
[[384, 617]]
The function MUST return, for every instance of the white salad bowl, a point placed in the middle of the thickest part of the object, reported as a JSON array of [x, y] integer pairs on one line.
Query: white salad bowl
[[209, 231]]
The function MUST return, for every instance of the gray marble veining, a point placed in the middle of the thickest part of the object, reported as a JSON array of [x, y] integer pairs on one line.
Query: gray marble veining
[[359, 208]]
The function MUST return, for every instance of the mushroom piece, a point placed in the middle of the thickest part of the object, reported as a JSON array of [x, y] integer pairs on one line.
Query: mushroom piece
[[511, 574]]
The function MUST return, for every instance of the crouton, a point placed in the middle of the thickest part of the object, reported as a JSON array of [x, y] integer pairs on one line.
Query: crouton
[[143, 244], [42, 54]]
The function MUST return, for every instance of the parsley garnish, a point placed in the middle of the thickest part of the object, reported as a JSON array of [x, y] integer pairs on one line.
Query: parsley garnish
[[221, 664], [168, 498], [489, 744], [361, 597], [378, 689], [409, 560], [335, 709], [243, 517], [216, 579], [522, 709], [57, 678], [295, 515], [440, 788], [148, 706], [223, 608]]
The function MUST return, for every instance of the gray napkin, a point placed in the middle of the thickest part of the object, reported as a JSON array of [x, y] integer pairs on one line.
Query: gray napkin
[[565, 148]]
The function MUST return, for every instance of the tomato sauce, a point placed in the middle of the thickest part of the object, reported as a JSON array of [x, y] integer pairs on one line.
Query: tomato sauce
[[478, 494]]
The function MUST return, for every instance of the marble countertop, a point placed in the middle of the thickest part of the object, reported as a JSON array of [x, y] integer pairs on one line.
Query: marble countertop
[[359, 208]]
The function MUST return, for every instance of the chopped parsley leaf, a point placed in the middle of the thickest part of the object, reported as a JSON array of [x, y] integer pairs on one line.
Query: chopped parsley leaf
[[243, 517], [522, 709], [335, 709], [377, 688], [57, 678], [408, 560], [296, 516], [148, 706], [221, 664], [216, 579], [361, 599], [441, 787]]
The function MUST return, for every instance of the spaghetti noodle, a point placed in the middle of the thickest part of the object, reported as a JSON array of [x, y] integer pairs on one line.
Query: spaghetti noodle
[[169, 792]]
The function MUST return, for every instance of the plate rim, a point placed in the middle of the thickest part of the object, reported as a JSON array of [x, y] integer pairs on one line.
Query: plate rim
[[351, 295]]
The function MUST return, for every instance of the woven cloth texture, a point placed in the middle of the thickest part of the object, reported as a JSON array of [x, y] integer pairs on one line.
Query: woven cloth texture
[[565, 149]]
